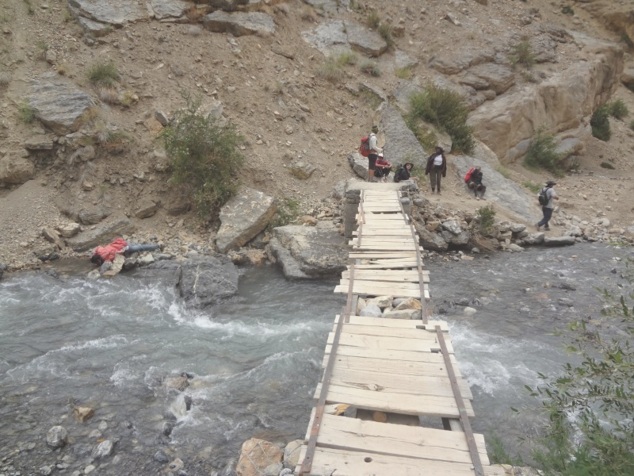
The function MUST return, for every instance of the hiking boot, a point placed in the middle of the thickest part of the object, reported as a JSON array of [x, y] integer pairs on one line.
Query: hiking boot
[[546, 228], [538, 226]]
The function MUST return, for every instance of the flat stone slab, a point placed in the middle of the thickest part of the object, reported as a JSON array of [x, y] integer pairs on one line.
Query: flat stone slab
[[240, 23], [113, 12]]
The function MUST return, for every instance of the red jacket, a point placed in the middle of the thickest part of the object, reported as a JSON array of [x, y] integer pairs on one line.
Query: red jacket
[[109, 252]]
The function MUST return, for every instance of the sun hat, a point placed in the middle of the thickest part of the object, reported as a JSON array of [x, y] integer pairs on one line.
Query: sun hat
[[550, 183]]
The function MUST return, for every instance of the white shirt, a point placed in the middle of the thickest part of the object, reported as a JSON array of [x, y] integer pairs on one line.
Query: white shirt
[[438, 160], [372, 144]]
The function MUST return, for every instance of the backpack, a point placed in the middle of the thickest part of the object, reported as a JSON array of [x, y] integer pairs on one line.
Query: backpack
[[401, 173], [364, 148], [543, 197], [467, 176]]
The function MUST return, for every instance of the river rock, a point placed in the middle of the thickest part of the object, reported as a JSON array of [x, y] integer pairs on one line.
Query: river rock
[[317, 251], [430, 240], [206, 280], [103, 449], [108, 230], [83, 413], [240, 23], [58, 103], [371, 310], [57, 437], [559, 240], [291, 453], [256, 455], [243, 217], [409, 303]]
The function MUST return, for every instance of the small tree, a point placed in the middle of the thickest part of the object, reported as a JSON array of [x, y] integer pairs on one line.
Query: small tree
[[600, 123], [591, 431], [541, 153], [205, 157], [446, 110]]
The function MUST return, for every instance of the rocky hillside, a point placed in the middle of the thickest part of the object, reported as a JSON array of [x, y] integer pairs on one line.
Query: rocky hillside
[[75, 154]]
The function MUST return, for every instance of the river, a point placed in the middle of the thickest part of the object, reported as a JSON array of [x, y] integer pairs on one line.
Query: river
[[254, 360]]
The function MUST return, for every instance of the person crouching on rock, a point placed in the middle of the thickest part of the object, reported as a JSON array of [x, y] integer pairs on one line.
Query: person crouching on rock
[[107, 254], [475, 183], [382, 168]]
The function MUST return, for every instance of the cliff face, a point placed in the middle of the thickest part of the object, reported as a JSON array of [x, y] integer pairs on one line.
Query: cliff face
[[94, 148]]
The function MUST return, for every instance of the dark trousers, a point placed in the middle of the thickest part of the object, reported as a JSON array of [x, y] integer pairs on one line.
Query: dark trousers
[[434, 177], [548, 213]]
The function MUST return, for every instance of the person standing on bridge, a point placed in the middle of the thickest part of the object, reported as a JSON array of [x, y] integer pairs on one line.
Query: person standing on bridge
[[375, 150], [436, 166]]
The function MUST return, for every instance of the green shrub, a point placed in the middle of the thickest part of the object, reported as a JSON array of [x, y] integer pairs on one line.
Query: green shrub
[[447, 111], [385, 30], [600, 123], [618, 109], [103, 74], [26, 113], [288, 210], [590, 403], [541, 153], [331, 71], [532, 186], [522, 53], [607, 165], [503, 171], [567, 10], [346, 58], [370, 68], [205, 157], [404, 73], [485, 219], [373, 19]]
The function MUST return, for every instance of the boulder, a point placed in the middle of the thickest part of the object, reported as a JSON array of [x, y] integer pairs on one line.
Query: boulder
[[430, 240], [39, 143], [147, 207], [162, 9], [256, 455], [401, 144], [460, 59], [290, 266], [291, 453], [364, 40], [497, 77], [302, 170], [205, 280], [557, 104], [328, 37], [113, 12], [240, 23], [243, 217], [15, 170], [58, 103], [318, 251], [57, 437], [627, 78], [110, 229]]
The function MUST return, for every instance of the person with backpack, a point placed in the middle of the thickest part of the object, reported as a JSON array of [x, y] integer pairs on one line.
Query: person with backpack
[[374, 150], [403, 172], [436, 166], [546, 197], [474, 182], [108, 253], [382, 168]]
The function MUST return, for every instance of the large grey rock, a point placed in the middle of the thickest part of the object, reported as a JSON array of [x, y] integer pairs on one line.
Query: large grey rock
[[108, 230], [460, 59], [401, 144], [500, 190], [337, 35], [169, 8], [328, 5], [557, 104], [359, 164], [15, 170], [57, 437], [243, 217], [58, 103], [114, 12], [290, 266], [497, 77], [362, 39], [240, 23], [430, 240], [319, 250], [94, 28], [627, 78], [166, 272], [206, 280], [39, 143]]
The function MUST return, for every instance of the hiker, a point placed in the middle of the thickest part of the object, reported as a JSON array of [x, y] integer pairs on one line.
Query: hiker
[[375, 150], [403, 172], [382, 168], [475, 183], [103, 254], [436, 166], [547, 209]]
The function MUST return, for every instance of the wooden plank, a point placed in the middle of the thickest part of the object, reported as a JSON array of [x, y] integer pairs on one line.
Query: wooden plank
[[404, 404], [373, 288], [389, 354], [398, 323], [387, 343], [428, 364], [412, 276], [388, 284], [415, 385], [382, 331], [335, 462], [397, 440], [409, 255]]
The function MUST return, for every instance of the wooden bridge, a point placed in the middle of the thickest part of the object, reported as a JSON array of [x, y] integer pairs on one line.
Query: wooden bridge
[[391, 400]]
